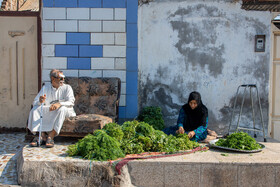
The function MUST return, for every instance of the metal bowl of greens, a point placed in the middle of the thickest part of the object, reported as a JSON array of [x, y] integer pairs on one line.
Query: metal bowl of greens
[[239, 142]]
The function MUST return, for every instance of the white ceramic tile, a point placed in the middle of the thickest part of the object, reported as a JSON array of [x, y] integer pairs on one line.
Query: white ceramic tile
[[90, 73], [53, 38], [90, 26], [122, 100], [54, 13], [47, 25], [54, 62], [115, 73], [102, 63], [120, 14], [120, 63], [78, 13], [102, 14], [102, 38], [114, 26], [66, 25], [47, 50], [120, 38], [114, 51]]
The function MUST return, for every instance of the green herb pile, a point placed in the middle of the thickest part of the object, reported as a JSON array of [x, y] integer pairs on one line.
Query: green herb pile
[[133, 137], [239, 140], [153, 116]]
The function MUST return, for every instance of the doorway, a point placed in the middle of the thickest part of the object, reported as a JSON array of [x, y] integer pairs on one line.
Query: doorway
[[20, 70], [274, 108]]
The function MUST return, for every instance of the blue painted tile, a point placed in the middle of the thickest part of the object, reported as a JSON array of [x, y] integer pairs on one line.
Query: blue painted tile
[[90, 3], [131, 106], [48, 3], [66, 3], [132, 83], [78, 63], [77, 38], [122, 112], [114, 4], [131, 35], [131, 59], [66, 50], [131, 11], [91, 51]]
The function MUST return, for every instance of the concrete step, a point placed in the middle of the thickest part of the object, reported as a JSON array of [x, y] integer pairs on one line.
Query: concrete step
[[52, 167]]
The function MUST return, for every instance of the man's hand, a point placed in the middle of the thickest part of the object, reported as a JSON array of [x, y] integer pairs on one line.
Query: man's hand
[[180, 130], [191, 134], [55, 106], [42, 99]]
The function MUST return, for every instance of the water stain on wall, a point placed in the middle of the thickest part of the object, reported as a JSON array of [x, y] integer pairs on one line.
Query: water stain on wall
[[197, 40]]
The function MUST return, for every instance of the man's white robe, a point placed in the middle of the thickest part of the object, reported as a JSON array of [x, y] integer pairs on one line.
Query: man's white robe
[[52, 119]]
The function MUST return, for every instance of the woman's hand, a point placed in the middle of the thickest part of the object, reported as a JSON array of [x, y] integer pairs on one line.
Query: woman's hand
[[191, 134], [181, 130]]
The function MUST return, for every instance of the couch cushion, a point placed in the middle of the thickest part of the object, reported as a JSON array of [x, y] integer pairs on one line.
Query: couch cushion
[[85, 123], [96, 95]]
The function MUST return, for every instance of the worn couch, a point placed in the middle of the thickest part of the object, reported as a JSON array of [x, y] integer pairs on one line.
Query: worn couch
[[96, 104]]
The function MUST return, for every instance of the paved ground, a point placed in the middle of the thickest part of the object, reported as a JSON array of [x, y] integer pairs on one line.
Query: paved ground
[[10, 146]]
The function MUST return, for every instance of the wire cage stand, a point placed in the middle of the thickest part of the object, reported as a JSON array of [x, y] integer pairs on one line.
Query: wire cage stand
[[250, 87]]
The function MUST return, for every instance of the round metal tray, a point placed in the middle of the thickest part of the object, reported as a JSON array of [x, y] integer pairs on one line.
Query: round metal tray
[[212, 143]]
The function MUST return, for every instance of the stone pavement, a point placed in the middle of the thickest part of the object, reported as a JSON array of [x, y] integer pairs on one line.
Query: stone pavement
[[10, 147]]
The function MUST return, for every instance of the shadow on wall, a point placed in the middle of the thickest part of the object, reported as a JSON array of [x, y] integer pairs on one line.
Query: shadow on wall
[[246, 118], [158, 94]]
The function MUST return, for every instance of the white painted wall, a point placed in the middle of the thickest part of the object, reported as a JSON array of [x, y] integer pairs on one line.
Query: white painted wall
[[207, 46]]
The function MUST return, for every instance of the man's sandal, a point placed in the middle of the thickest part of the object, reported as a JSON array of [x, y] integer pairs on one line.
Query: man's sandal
[[35, 142], [49, 143]]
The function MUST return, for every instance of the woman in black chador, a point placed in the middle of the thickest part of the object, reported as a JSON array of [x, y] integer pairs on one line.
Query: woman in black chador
[[192, 120]]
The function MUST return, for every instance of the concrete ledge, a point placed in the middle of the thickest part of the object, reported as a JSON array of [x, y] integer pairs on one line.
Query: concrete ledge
[[51, 167]]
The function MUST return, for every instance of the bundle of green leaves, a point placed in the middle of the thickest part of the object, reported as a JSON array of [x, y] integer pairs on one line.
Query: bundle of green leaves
[[153, 116], [239, 140], [133, 137], [97, 146]]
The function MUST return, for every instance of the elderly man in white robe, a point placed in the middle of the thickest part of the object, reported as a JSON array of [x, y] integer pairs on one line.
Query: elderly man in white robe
[[57, 102]]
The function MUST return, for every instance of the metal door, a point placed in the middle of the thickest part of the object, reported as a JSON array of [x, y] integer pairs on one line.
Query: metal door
[[18, 69]]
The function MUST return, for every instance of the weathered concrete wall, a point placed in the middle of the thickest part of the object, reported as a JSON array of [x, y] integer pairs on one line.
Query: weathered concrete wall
[[207, 46]]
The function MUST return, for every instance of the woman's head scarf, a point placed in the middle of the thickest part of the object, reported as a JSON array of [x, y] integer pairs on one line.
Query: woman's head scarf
[[195, 117]]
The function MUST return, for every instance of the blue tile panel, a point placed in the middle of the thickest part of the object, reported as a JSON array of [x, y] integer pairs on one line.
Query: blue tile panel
[[131, 83], [66, 50], [90, 51], [48, 3], [122, 112], [66, 3], [78, 63], [77, 38], [90, 3], [131, 106], [131, 59], [131, 11], [131, 35], [114, 3], [79, 51]]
